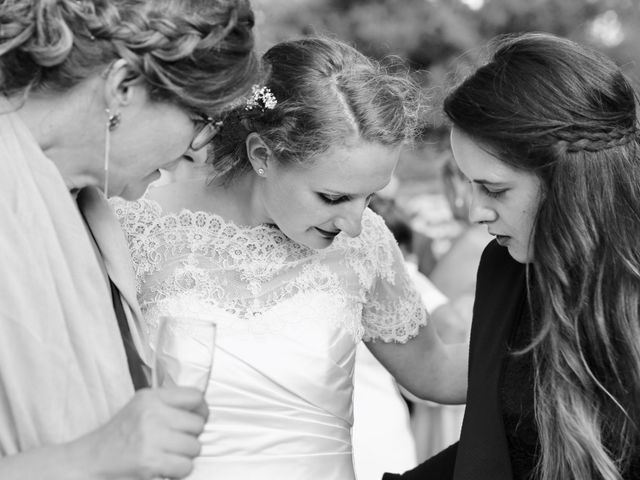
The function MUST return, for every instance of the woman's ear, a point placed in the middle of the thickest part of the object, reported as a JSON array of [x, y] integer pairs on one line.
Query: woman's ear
[[121, 84], [259, 154]]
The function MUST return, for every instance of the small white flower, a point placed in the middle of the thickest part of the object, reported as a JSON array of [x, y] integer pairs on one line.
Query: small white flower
[[262, 98]]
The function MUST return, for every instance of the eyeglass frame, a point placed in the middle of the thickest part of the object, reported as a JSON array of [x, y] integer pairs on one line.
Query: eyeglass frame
[[209, 129]]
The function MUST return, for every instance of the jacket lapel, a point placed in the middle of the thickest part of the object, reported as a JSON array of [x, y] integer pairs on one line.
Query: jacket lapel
[[500, 297]]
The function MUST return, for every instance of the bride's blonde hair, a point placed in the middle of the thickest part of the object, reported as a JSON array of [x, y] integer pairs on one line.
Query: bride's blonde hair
[[327, 94]]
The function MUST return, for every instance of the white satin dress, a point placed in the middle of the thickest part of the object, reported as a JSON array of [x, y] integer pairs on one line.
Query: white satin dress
[[288, 321]]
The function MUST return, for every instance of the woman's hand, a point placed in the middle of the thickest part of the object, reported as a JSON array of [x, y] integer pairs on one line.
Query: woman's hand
[[154, 435]]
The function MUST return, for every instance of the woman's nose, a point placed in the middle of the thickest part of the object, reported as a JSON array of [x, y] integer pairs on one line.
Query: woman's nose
[[480, 213], [350, 221], [199, 157]]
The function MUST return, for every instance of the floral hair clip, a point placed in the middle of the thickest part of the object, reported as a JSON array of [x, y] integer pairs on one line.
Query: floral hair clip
[[261, 97]]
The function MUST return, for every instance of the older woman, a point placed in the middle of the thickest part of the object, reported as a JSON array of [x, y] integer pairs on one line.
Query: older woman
[[96, 97]]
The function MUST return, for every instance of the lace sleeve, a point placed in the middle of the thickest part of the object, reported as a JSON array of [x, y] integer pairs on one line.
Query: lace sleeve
[[394, 310]]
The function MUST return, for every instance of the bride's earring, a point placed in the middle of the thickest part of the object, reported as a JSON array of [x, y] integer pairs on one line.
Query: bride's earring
[[113, 120], [261, 172]]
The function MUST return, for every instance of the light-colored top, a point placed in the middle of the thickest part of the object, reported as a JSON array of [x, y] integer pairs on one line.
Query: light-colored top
[[63, 369], [289, 319]]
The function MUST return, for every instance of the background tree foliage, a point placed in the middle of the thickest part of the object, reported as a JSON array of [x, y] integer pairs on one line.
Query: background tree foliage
[[440, 38]]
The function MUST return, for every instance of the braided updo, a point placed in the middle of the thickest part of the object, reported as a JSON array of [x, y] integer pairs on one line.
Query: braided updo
[[195, 53]]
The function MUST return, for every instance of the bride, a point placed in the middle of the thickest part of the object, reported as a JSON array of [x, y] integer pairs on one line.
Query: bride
[[277, 247]]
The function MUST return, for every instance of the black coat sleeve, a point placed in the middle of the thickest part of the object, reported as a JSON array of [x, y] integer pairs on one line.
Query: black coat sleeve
[[438, 467]]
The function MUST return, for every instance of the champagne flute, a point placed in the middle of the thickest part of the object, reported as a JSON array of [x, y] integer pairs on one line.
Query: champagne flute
[[183, 353]]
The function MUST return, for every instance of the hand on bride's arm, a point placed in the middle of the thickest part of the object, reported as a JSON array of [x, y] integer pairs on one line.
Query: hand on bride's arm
[[427, 367], [154, 435]]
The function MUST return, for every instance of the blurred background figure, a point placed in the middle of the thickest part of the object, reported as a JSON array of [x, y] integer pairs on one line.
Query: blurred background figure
[[385, 421], [455, 264], [382, 433], [454, 271]]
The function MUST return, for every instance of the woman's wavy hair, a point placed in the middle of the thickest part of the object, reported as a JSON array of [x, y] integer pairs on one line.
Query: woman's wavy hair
[[197, 54], [567, 113], [327, 94]]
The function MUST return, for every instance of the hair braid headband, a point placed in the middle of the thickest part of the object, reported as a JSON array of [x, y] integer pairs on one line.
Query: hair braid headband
[[598, 141]]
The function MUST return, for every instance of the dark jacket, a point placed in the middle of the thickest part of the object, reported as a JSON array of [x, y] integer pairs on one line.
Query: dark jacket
[[482, 452]]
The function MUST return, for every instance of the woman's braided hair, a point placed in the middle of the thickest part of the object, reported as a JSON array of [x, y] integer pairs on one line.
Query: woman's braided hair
[[567, 113], [595, 140], [195, 53]]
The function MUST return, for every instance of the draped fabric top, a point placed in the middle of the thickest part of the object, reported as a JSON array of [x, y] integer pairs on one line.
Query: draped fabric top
[[63, 370], [288, 320]]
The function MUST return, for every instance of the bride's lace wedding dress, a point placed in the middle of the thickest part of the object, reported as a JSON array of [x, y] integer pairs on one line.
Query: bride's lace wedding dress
[[289, 318]]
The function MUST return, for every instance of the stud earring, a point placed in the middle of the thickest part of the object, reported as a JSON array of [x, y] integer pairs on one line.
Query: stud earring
[[261, 172], [113, 120]]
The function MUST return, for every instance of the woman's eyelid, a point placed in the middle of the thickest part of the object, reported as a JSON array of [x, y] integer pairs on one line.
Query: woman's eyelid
[[494, 188], [336, 198], [331, 199], [494, 193], [340, 198]]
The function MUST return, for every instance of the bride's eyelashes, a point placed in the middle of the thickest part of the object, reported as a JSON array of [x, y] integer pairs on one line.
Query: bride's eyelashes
[[333, 199], [337, 199]]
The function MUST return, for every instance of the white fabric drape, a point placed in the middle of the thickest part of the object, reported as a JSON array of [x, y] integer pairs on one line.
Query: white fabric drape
[[63, 369]]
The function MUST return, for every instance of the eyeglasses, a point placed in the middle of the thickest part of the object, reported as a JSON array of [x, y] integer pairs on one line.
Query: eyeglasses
[[205, 132]]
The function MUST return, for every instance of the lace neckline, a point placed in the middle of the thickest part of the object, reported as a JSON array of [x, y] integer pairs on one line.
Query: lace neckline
[[224, 223], [248, 270]]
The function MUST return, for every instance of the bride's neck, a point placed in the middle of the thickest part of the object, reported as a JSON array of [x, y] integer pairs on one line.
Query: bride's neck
[[242, 200], [239, 201]]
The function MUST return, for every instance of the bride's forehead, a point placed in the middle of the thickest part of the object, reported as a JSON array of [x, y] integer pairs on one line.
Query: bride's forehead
[[360, 169]]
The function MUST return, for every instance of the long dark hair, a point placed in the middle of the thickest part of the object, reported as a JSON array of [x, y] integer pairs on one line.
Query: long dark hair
[[567, 113]]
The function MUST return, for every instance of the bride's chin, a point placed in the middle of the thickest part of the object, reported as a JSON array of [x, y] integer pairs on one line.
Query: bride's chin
[[319, 244], [310, 239]]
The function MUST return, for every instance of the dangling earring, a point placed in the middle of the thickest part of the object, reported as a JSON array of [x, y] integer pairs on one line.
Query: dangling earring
[[261, 172], [113, 120]]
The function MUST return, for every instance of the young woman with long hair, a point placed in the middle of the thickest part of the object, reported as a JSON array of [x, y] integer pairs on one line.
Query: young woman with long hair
[[547, 133]]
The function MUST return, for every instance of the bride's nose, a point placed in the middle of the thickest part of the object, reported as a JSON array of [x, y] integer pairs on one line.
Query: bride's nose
[[350, 219]]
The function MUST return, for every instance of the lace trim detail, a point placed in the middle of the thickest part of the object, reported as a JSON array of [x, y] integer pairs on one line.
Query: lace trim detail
[[155, 238], [397, 321], [249, 270]]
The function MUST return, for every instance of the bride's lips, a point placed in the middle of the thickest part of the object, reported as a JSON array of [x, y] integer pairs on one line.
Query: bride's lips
[[326, 233]]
